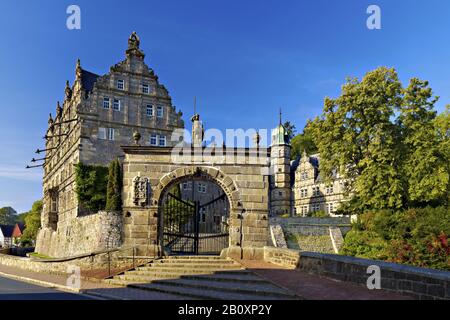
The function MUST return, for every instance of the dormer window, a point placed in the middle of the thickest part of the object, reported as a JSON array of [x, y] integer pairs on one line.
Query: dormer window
[[145, 88], [120, 84]]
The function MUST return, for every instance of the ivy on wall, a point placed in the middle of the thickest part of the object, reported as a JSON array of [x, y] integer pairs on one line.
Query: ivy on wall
[[91, 185]]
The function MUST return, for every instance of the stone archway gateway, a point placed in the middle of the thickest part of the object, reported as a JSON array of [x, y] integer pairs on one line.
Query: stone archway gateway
[[151, 172], [194, 215]]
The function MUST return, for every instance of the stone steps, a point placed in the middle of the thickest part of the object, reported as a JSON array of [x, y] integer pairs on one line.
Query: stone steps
[[195, 290], [200, 278]]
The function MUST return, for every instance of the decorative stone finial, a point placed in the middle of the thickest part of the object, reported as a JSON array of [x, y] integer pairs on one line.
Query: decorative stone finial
[[50, 120], [78, 70], [58, 109], [68, 91], [133, 46], [137, 138]]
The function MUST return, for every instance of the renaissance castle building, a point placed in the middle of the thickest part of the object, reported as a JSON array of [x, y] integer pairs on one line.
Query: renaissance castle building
[[128, 114]]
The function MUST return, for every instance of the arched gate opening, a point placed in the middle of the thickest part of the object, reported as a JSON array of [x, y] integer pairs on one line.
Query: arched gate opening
[[194, 216]]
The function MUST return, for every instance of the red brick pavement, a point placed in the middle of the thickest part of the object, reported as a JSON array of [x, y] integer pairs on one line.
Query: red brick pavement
[[313, 287]]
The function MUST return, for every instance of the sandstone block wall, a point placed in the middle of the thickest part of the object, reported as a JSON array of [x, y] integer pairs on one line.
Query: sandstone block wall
[[82, 235]]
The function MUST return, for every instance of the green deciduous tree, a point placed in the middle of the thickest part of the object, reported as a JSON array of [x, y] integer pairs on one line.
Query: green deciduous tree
[[303, 142], [32, 222], [386, 141], [356, 136], [7, 216], [290, 129], [114, 190], [425, 166]]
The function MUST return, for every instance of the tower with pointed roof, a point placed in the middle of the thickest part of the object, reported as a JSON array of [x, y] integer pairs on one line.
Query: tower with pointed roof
[[280, 156]]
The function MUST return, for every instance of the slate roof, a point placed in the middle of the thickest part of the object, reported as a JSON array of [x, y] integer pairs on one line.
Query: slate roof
[[88, 79], [7, 230]]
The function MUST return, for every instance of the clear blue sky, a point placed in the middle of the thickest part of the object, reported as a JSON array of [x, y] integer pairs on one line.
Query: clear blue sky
[[242, 59]]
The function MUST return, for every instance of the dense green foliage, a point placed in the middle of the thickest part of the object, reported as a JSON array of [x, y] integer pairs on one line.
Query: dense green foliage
[[303, 142], [91, 185], [6, 216], [387, 141], [114, 189], [290, 129], [318, 214], [418, 237], [32, 223]]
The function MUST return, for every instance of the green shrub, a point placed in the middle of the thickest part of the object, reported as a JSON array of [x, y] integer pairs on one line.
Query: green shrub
[[114, 190], [415, 236], [318, 214]]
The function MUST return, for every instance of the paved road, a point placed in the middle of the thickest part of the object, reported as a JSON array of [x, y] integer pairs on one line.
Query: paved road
[[17, 290]]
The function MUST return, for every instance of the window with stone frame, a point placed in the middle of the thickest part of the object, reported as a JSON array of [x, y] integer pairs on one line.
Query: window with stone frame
[[162, 141], [160, 111], [111, 134], [186, 186], [153, 139], [330, 208], [105, 102], [201, 188], [116, 105], [330, 189], [149, 111], [120, 84], [315, 191], [316, 207], [102, 133], [145, 88]]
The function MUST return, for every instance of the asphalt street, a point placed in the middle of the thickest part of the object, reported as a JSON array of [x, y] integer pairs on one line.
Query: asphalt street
[[18, 290]]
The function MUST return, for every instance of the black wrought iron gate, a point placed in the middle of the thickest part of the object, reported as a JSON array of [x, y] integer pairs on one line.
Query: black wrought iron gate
[[190, 227]]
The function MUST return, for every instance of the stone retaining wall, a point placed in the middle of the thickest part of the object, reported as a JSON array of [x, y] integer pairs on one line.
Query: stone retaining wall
[[282, 257], [308, 226], [418, 282], [85, 234]]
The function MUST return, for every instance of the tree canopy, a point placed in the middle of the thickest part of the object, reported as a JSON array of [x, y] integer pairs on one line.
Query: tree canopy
[[386, 141], [32, 222]]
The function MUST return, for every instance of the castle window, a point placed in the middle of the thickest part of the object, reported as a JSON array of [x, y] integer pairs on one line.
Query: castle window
[[316, 191], [316, 207], [304, 175], [116, 104], [187, 186], [120, 84], [201, 187], [111, 134], [330, 208], [162, 141], [153, 140], [149, 111], [330, 190], [160, 112], [106, 102], [145, 89], [305, 210], [102, 133]]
